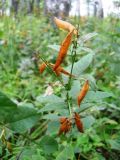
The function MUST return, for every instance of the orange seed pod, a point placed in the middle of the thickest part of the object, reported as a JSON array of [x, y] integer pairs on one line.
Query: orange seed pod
[[63, 50], [78, 122], [65, 125], [42, 67], [83, 92], [65, 25]]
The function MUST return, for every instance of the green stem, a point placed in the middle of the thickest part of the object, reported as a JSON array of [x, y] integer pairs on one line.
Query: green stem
[[51, 70], [68, 102], [73, 54]]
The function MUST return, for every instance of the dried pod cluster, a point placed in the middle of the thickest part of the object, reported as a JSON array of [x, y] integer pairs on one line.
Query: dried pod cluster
[[66, 124], [58, 71], [63, 49]]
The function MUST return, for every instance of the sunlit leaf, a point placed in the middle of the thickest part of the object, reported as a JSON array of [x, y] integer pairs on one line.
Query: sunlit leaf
[[67, 153], [49, 144]]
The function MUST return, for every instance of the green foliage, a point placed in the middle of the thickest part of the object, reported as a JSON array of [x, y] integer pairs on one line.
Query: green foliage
[[15, 117], [29, 116]]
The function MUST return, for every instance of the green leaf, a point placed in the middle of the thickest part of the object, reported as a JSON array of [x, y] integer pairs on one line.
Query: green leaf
[[88, 121], [6, 102], [49, 99], [97, 156], [80, 66], [33, 153], [98, 95], [115, 144], [17, 118], [48, 144], [7, 108], [87, 37], [38, 157], [82, 139], [54, 47], [83, 107], [75, 89], [88, 50], [51, 116], [53, 106], [53, 127], [67, 153], [24, 118]]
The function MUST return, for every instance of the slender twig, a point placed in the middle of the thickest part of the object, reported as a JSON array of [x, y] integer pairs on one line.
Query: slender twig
[[51, 70], [73, 54]]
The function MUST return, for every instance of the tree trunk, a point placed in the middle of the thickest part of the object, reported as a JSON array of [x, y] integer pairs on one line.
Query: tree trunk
[[15, 5], [88, 8], [58, 8], [79, 12], [37, 6], [67, 6], [30, 6], [95, 9], [98, 9]]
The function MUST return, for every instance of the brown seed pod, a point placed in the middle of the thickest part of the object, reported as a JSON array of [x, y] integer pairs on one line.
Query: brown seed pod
[[83, 92], [63, 50], [65, 125], [65, 25], [60, 70], [42, 67], [65, 72], [78, 122]]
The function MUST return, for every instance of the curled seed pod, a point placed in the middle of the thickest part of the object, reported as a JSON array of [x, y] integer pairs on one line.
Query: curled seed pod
[[83, 92], [42, 67], [78, 122], [65, 25], [65, 72], [63, 50], [60, 70], [65, 125]]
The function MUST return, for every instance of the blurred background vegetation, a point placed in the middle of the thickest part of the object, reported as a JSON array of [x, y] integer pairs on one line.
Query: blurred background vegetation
[[27, 33]]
